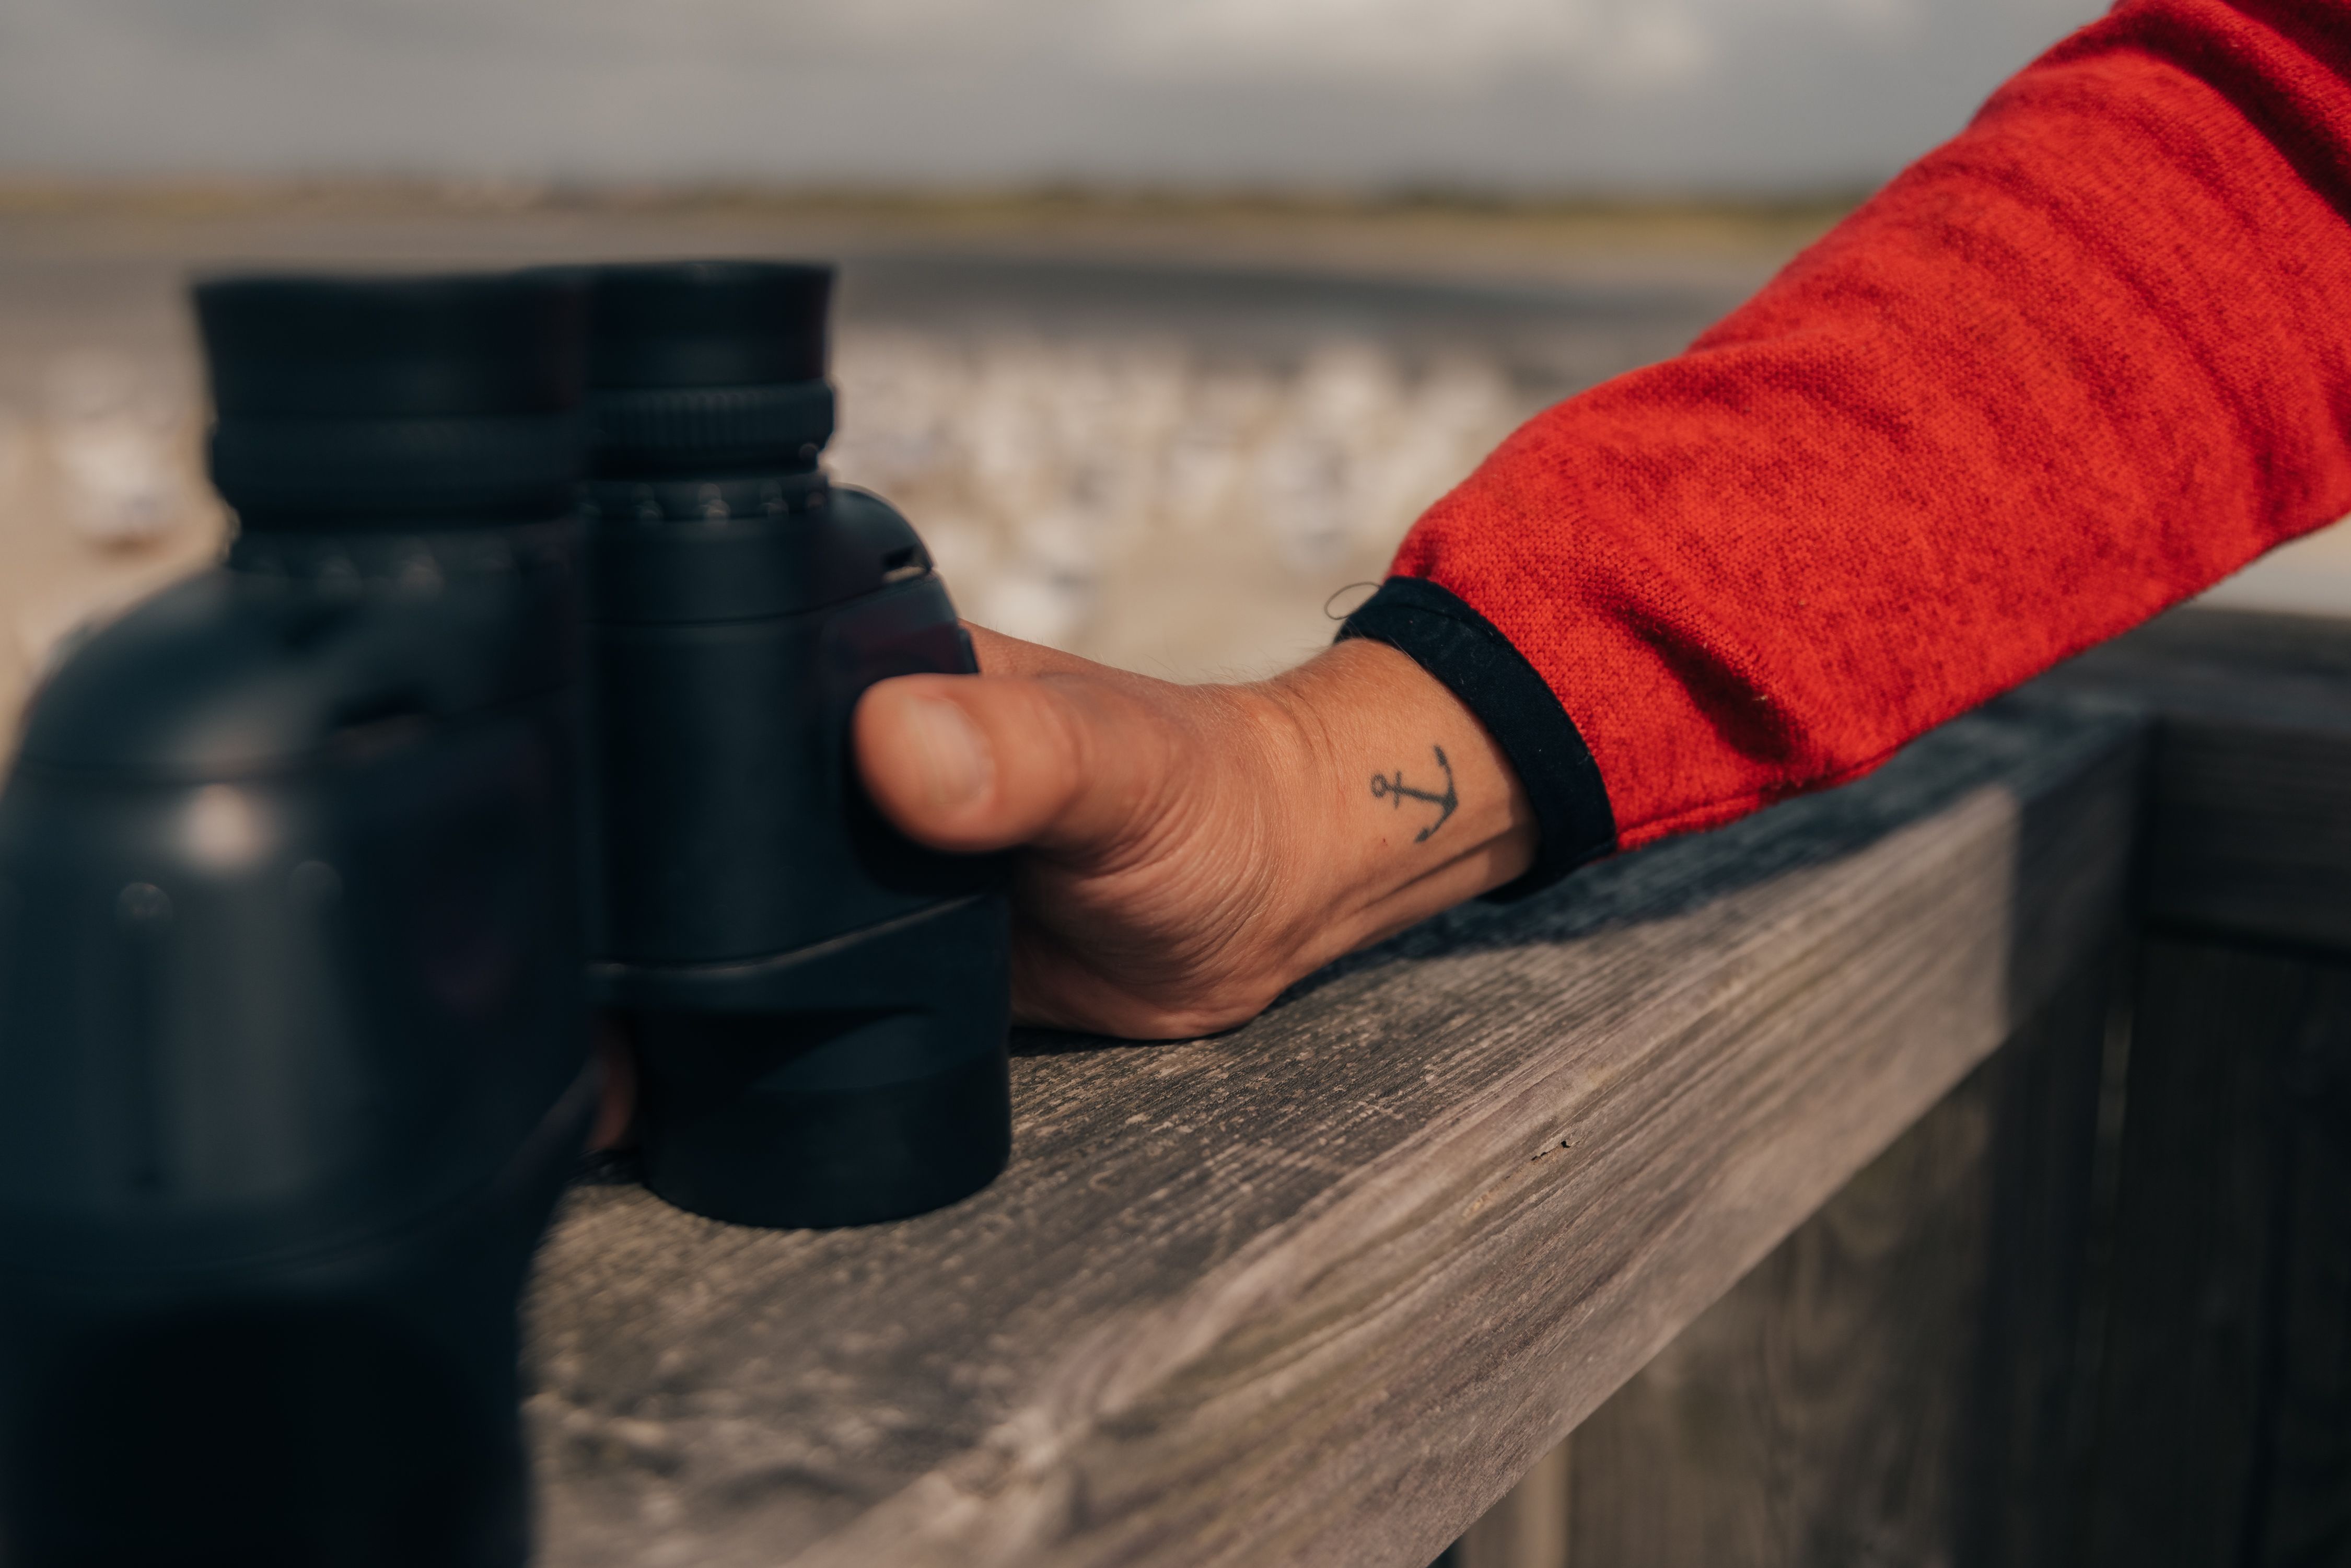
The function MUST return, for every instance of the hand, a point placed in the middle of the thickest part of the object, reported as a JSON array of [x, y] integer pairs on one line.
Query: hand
[[1190, 851]]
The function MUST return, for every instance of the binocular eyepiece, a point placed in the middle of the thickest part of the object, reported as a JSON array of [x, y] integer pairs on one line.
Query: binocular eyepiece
[[524, 686], [345, 405], [711, 368]]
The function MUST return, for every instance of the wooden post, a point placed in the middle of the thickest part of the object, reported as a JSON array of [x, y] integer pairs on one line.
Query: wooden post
[[2225, 1406]]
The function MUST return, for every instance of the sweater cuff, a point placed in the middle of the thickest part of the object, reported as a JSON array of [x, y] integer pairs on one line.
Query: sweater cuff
[[1493, 679]]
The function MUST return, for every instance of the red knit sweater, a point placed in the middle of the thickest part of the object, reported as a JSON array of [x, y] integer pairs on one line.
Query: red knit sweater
[[2076, 365]]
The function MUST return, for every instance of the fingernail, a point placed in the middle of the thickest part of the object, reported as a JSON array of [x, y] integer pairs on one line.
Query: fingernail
[[954, 755]]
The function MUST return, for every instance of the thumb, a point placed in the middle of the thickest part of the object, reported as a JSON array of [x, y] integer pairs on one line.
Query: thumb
[[984, 762]]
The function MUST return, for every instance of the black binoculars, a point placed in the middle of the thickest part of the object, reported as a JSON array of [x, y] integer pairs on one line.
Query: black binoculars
[[524, 688]]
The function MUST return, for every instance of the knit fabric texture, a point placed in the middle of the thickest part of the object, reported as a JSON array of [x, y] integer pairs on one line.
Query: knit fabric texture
[[2080, 362]]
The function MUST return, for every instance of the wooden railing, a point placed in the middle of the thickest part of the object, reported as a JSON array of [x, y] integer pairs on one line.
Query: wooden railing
[[1950, 1168]]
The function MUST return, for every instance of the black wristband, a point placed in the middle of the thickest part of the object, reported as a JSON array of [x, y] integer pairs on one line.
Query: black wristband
[[1493, 679]]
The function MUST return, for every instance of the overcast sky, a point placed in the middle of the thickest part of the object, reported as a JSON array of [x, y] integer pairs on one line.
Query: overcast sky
[[1533, 95]]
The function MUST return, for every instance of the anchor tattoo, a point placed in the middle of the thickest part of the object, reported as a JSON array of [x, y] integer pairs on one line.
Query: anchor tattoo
[[1395, 788]]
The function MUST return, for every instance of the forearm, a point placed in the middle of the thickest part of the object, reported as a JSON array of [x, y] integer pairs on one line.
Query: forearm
[[2077, 365]]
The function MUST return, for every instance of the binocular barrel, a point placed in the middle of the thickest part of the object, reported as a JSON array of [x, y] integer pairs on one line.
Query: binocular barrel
[[294, 1062], [524, 685], [819, 1006]]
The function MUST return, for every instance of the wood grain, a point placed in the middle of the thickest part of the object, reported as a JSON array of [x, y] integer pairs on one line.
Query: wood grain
[[1890, 1386], [1814, 1414], [1319, 1291]]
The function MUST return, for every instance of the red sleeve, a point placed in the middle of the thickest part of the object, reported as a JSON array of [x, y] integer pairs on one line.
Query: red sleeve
[[2074, 366]]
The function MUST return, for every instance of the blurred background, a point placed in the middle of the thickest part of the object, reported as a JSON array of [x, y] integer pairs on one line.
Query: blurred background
[[1162, 317]]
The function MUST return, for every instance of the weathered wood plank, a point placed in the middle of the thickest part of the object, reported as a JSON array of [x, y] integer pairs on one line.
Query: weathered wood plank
[[2248, 830], [1892, 1385], [1319, 1291], [2226, 1420]]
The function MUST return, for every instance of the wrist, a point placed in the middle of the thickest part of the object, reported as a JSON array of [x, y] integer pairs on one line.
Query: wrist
[[1397, 802]]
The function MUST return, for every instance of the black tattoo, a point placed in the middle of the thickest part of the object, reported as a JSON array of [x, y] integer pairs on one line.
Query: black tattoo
[[1396, 789]]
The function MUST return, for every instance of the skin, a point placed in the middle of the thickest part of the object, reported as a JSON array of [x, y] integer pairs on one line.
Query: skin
[[1189, 851], [1193, 849]]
